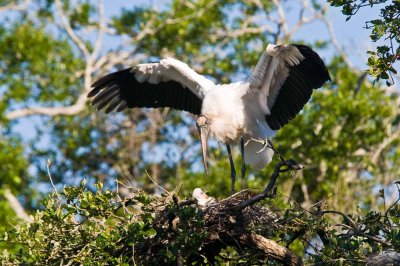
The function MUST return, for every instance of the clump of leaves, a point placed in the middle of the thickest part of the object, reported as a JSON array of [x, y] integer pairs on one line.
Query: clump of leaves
[[83, 227], [384, 29]]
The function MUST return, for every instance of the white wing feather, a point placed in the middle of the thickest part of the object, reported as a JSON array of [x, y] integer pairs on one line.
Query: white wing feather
[[271, 72], [173, 69]]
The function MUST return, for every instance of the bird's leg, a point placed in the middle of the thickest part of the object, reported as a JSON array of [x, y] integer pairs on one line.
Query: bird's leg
[[233, 172], [243, 161]]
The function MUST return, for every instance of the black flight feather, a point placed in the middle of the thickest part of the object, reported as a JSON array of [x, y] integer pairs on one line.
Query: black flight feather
[[309, 74], [120, 90]]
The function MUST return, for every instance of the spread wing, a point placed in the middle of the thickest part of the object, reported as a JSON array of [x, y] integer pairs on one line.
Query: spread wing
[[286, 76], [169, 83]]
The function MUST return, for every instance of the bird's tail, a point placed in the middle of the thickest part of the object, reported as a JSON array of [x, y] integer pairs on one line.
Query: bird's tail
[[256, 156]]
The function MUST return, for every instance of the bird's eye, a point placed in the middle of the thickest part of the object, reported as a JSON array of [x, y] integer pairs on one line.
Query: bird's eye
[[201, 121]]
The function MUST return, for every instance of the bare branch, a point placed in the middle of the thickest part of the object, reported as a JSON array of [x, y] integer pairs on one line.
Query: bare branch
[[15, 7], [78, 41], [353, 226], [16, 206], [282, 17], [113, 58], [270, 190], [336, 44], [97, 45], [244, 31], [385, 143], [50, 177], [305, 20], [50, 111], [89, 69]]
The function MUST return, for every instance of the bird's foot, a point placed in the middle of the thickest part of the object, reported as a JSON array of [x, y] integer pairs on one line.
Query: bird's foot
[[265, 143]]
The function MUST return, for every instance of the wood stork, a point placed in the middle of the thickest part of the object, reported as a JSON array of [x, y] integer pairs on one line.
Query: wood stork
[[280, 85]]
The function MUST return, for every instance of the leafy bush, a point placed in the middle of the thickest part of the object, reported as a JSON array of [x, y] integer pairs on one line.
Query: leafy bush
[[79, 226]]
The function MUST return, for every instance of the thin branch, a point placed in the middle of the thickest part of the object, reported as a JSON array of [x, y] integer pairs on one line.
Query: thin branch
[[155, 183], [15, 7], [98, 43], [78, 41], [305, 20], [16, 206], [243, 31], [282, 17], [353, 226], [50, 177], [392, 205], [385, 143], [270, 190], [332, 36], [114, 58]]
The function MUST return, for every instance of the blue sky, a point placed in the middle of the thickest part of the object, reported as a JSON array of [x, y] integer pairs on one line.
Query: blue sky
[[351, 35]]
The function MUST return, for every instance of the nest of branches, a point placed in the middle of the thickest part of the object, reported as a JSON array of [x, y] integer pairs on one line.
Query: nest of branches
[[236, 222]]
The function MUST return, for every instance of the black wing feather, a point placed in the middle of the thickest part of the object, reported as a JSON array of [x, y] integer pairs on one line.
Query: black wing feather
[[309, 74], [121, 90]]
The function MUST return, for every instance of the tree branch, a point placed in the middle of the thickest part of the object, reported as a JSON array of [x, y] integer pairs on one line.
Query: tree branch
[[353, 226], [15, 7], [332, 36], [385, 143], [305, 20], [98, 43], [16, 206], [270, 190], [78, 41], [50, 111], [271, 249], [282, 18], [89, 69]]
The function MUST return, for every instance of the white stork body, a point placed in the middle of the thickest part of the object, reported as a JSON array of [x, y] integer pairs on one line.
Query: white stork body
[[233, 114], [280, 85]]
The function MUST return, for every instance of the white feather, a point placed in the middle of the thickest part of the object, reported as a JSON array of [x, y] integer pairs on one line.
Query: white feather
[[271, 72], [224, 108], [173, 69], [231, 115]]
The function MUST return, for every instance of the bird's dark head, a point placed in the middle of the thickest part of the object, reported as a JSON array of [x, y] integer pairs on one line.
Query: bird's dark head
[[202, 124]]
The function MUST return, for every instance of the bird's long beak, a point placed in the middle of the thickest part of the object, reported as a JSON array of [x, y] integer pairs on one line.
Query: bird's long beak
[[203, 132]]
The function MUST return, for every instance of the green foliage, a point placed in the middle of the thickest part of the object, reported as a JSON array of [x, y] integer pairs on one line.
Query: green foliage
[[384, 29], [13, 165], [13, 169], [84, 227], [33, 73], [78, 226], [7, 217]]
